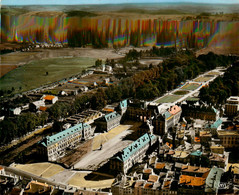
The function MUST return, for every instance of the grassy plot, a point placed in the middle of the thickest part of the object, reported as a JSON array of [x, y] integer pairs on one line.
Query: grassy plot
[[41, 72], [168, 99], [202, 79], [191, 86]]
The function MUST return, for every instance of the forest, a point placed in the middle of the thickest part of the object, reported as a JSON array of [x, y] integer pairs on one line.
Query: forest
[[222, 87]]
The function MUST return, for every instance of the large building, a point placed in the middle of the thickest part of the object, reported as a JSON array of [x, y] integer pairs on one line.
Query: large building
[[166, 120], [229, 138], [108, 121], [198, 111], [232, 106], [132, 154], [53, 147]]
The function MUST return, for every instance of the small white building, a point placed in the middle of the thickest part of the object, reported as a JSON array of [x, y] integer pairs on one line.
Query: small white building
[[16, 111]]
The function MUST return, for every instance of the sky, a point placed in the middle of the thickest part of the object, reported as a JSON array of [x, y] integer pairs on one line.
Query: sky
[[72, 2]]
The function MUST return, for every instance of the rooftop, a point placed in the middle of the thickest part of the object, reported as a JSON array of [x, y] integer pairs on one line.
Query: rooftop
[[233, 98], [205, 134], [191, 180], [49, 97], [135, 146], [159, 165], [194, 169], [213, 179], [196, 153], [228, 132], [166, 184], [148, 185], [153, 178], [63, 134], [217, 157], [235, 167], [149, 170], [180, 154], [215, 125]]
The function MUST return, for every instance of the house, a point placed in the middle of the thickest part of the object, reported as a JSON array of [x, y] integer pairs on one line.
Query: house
[[108, 121], [50, 99], [219, 160], [215, 126], [37, 104], [132, 154], [16, 111], [188, 183]]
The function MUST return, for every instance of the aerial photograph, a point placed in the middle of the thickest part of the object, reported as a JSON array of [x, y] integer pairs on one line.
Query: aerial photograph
[[119, 97]]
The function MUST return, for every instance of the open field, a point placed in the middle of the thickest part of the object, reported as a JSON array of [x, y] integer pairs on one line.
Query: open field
[[21, 58], [4, 69], [169, 98], [202, 79], [33, 75], [181, 92], [191, 86]]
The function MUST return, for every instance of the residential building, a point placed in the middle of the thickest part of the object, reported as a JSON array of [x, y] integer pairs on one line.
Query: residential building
[[108, 121], [232, 106], [219, 160], [54, 146], [195, 171], [132, 154], [217, 148], [138, 111], [214, 126], [187, 184], [229, 138], [16, 111], [37, 104], [181, 156]]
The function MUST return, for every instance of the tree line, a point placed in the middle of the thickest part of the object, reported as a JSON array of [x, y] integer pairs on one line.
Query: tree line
[[222, 87]]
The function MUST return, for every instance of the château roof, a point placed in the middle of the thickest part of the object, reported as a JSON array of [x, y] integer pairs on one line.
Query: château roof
[[63, 134], [135, 146]]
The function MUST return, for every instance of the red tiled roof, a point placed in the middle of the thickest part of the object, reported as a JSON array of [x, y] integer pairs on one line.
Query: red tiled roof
[[43, 108], [191, 180], [49, 97], [159, 165]]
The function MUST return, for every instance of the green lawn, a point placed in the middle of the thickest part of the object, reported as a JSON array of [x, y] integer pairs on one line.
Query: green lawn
[[190, 86], [169, 99], [202, 79], [33, 74], [181, 92]]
